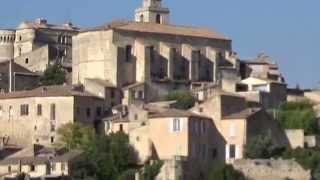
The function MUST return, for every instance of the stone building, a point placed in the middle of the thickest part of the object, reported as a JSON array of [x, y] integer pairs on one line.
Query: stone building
[[152, 53], [236, 123], [33, 117], [39, 162], [173, 136], [37, 44], [14, 77]]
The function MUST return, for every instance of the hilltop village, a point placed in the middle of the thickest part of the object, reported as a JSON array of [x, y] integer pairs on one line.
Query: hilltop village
[[117, 79]]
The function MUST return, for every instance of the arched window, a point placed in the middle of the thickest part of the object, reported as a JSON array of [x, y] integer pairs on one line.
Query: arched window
[[141, 18], [158, 19], [27, 60]]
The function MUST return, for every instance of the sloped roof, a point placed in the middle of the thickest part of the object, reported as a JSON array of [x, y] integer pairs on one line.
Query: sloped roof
[[47, 91], [159, 29], [4, 68], [242, 114], [155, 112]]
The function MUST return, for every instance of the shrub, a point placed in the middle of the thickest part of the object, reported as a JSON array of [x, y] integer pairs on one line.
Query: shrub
[[259, 147], [298, 115], [53, 75], [185, 99]]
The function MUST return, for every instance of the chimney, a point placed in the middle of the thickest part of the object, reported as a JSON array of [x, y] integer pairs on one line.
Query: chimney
[[11, 75]]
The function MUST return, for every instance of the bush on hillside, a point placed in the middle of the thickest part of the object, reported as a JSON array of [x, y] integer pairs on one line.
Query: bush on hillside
[[53, 75], [298, 115], [185, 99]]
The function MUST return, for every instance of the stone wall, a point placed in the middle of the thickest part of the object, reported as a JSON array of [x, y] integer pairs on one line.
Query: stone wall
[[295, 137], [7, 38], [272, 169]]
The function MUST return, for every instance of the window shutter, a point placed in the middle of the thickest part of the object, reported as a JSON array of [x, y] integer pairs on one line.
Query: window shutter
[[227, 151], [238, 153], [171, 125]]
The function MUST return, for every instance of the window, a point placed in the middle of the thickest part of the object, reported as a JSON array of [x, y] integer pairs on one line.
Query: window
[[121, 128], [52, 139], [35, 128], [176, 125], [63, 166], [232, 151], [39, 110], [112, 93], [232, 130], [214, 153], [98, 111], [53, 128], [201, 109], [20, 38], [24, 110], [9, 169], [88, 112], [27, 60], [32, 168], [53, 112], [53, 166], [136, 117], [11, 111], [141, 18], [152, 55], [140, 94], [158, 19], [128, 53]]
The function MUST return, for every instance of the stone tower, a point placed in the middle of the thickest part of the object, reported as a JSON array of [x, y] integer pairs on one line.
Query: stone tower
[[152, 11], [7, 38]]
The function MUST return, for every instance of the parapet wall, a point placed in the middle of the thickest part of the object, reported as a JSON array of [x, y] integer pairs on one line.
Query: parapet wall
[[272, 169], [7, 38]]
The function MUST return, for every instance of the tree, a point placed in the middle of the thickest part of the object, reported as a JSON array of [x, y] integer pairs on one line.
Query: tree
[[259, 147], [185, 99], [223, 171], [298, 115], [104, 157], [53, 75]]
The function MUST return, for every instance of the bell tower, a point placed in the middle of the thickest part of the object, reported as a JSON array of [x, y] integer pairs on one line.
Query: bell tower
[[153, 12]]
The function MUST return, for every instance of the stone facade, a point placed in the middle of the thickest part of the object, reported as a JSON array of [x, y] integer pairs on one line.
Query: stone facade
[[7, 39], [272, 169], [41, 112]]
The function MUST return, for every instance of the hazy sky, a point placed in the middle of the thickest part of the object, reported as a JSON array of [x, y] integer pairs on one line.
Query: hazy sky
[[287, 30]]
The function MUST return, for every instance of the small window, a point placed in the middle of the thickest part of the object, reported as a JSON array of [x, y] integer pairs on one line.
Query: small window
[[232, 130], [53, 112], [39, 110], [128, 53], [27, 60], [52, 139], [53, 128], [24, 110], [136, 117], [232, 151], [9, 169], [141, 18], [140, 94], [35, 128], [63, 166], [53, 166], [32, 168], [98, 111], [88, 112], [214, 153], [201, 109], [121, 128], [20, 38], [158, 19], [176, 125]]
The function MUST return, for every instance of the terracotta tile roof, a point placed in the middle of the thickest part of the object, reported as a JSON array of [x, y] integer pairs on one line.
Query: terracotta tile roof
[[160, 29], [47, 91]]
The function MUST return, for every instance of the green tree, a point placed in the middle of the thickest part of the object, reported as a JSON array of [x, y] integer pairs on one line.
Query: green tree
[[298, 115], [223, 171], [53, 75], [104, 157], [259, 147], [185, 99]]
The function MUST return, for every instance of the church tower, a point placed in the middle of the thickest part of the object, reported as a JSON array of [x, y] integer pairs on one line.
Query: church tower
[[152, 11]]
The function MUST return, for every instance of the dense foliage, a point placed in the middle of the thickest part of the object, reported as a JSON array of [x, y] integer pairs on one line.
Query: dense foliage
[[53, 75], [259, 147], [223, 171], [185, 99], [105, 157], [307, 158], [298, 115]]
